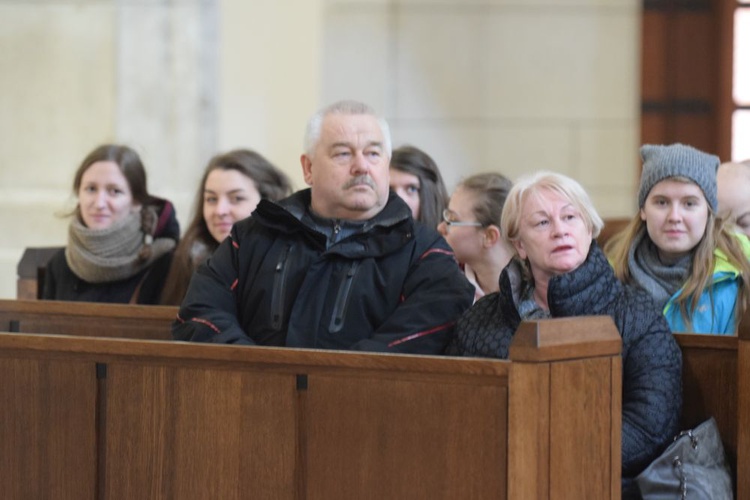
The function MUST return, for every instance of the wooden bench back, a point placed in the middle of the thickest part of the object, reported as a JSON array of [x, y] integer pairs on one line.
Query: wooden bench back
[[709, 384], [716, 382], [120, 418], [87, 319], [31, 270]]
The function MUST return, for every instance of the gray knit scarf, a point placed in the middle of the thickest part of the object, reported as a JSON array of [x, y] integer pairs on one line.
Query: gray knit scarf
[[659, 280], [115, 253]]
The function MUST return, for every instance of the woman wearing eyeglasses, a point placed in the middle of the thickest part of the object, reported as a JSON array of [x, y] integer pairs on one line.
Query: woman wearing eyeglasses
[[471, 226]]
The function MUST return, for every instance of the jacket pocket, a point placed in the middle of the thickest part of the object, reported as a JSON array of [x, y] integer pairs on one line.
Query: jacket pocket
[[279, 289], [342, 299]]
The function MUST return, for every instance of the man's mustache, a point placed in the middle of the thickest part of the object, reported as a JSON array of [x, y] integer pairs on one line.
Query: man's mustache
[[360, 180]]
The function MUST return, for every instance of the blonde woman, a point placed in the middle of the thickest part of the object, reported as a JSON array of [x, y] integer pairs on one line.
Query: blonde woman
[[558, 271]]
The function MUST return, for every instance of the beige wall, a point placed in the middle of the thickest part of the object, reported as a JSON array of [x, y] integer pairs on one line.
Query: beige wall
[[503, 85]]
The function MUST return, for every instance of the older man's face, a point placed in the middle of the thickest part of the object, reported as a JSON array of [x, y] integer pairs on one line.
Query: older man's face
[[733, 184], [348, 171]]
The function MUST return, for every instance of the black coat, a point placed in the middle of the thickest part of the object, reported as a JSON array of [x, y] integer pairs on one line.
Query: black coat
[[652, 360], [388, 285], [61, 283]]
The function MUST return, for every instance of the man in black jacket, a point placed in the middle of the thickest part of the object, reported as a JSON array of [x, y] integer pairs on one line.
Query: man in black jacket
[[341, 265]]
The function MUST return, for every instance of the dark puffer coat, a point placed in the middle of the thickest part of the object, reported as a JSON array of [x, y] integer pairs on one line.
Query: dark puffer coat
[[61, 283], [652, 361], [284, 278]]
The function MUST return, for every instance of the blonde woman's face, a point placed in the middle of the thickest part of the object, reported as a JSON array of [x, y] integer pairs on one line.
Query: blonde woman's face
[[552, 235], [676, 214]]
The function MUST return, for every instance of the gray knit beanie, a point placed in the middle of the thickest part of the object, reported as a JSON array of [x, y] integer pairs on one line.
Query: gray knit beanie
[[678, 160]]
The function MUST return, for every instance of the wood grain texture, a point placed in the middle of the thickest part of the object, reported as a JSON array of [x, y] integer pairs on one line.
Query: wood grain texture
[[580, 442], [528, 431], [88, 319], [616, 428], [743, 420], [193, 433], [290, 360], [370, 438], [26, 289], [196, 421], [709, 385], [47, 429], [565, 338]]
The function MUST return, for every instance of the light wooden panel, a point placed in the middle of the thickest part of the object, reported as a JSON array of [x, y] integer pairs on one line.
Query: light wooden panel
[[528, 431], [580, 443]]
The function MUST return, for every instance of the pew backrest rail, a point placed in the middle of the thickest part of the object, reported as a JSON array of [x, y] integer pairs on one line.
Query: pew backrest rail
[[87, 319]]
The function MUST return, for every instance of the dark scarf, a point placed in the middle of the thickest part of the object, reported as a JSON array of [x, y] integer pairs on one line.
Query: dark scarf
[[661, 281]]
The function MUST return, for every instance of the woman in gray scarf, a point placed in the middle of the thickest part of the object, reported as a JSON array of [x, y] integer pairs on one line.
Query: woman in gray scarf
[[120, 238], [678, 249]]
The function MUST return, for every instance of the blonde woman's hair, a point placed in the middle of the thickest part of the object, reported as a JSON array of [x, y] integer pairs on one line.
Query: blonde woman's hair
[[717, 236], [561, 184]]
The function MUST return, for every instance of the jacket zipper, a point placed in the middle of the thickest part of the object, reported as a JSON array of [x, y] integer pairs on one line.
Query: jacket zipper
[[279, 280], [339, 309]]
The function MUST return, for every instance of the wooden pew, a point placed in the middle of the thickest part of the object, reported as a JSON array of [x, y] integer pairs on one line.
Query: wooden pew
[[87, 319], [30, 271], [743, 409], [119, 418], [716, 382]]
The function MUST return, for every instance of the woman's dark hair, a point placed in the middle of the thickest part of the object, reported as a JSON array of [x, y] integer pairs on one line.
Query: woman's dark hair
[[433, 197], [271, 183], [129, 164]]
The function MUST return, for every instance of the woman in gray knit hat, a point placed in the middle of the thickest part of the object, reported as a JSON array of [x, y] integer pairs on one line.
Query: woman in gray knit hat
[[677, 249]]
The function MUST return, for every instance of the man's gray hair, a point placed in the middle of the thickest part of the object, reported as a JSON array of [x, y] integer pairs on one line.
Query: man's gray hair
[[347, 107]]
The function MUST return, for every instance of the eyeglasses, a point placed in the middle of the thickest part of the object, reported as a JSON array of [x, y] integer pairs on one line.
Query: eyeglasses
[[448, 218]]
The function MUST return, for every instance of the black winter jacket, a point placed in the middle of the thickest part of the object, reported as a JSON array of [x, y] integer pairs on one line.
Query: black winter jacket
[[652, 360], [61, 283], [388, 285]]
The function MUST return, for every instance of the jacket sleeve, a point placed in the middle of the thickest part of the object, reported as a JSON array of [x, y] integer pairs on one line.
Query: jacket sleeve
[[209, 310], [434, 295], [652, 390]]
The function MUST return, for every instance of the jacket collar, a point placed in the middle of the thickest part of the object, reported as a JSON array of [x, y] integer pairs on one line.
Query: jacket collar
[[386, 232], [586, 290]]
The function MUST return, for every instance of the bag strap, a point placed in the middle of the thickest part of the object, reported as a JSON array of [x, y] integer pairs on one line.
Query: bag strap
[[677, 462]]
